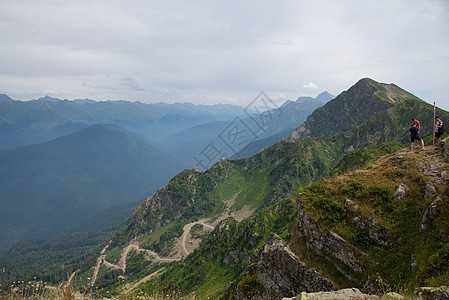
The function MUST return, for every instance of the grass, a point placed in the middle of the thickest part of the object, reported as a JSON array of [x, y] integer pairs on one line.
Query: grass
[[114, 254], [209, 269], [372, 190], [154, 237]]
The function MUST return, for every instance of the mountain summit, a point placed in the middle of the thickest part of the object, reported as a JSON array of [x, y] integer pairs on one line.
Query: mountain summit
[[378, 112]]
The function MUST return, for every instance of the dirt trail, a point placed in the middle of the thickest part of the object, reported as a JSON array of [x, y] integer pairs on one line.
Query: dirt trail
[[106, 247], [98, 264], [186, 233], [394, 94], [186, 244], [121, 265], [145, 279], [69, 281], [97, 267]]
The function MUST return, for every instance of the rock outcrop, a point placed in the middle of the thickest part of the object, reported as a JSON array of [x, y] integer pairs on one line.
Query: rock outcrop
[[445, 147], [432, 293], [322, 240], [281, 273], [422, 293], [340, 294], [400, 192], [375, 231], [430, 213]]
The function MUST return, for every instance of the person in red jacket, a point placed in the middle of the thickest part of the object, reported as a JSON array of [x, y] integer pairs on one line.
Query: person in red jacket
[[417, 124]]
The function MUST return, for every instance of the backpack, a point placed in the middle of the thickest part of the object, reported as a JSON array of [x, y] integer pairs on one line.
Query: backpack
[[441, 129]]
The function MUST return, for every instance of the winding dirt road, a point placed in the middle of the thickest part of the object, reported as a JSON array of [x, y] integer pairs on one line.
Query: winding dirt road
[[149, 255], [145, 279], [185, 239], [187, 229]]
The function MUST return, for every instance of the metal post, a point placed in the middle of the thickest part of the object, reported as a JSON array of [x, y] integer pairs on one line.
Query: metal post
[[434, 123]]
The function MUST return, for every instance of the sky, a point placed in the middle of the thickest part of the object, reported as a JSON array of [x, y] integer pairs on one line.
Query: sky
[[209, 52]]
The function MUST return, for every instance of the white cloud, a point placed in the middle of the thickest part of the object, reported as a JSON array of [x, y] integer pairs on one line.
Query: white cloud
[[173, 50], [310, 85]]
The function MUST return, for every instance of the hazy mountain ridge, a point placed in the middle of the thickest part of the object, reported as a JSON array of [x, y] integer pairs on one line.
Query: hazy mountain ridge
[[272, 176], [53, 187], [279, 122], [27, 122], [266, 128]]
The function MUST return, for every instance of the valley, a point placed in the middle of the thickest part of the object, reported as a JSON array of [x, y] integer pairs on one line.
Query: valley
[[316, 211]]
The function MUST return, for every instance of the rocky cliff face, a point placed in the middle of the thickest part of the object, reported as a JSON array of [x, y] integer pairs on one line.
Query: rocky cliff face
[[282, 274], [326, 242], [388, 218]]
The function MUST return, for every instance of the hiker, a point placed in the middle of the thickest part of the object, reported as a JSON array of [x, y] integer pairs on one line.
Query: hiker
[[414, 136], [417, 125], [438, 129]]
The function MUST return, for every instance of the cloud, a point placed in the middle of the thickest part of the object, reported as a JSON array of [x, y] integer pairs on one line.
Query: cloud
[[173, 50], [310, 85]]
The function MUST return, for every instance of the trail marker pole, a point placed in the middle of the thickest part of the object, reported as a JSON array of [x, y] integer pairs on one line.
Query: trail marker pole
[[434, 123]]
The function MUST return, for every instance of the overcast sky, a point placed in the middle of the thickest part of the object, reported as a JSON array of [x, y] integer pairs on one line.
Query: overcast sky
[[220, 51]]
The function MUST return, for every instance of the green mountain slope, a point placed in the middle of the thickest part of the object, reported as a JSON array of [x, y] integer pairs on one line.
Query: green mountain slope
[[368, 114], [394, 211], [374, 113], [54, 187]]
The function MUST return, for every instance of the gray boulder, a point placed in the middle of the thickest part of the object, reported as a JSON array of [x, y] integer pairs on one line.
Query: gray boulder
[[400, 192]]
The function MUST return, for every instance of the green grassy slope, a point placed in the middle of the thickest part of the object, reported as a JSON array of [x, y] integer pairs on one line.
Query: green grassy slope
[[410, 257], [259, 181]]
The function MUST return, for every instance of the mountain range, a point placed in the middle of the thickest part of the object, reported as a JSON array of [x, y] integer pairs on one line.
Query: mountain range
[[78, 180], [54, 187], [182, 130], [32, 122], [272, 225], [339, 202], [265, 128]]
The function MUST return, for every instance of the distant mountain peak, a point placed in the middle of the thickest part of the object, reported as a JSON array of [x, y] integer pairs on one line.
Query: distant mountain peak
[[5, 98], [388, 92], [84, 101], [324, 97], [305, 99], [48, 98]]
